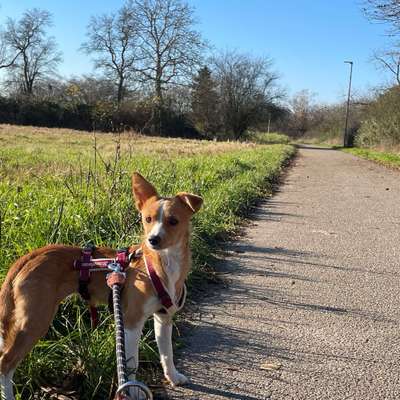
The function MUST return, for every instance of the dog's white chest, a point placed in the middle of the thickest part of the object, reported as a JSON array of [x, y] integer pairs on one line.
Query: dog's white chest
[[172, 259]]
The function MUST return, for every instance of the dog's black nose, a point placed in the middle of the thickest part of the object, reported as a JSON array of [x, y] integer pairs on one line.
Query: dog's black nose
[[154, 240]]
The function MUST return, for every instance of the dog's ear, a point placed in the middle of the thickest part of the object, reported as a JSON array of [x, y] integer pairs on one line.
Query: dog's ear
[[191, 200], [142, 190]]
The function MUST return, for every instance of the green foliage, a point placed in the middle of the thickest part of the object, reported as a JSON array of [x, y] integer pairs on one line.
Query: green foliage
[[381, 127], [31, 111], [270, 138], [55, 198], [101, 115], [205, 102], [385, 158]]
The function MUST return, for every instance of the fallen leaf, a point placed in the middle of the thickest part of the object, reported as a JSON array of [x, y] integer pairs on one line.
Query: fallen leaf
[[270, 366]]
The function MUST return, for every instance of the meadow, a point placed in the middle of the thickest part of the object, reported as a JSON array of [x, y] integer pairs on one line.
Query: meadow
[[63, 186]]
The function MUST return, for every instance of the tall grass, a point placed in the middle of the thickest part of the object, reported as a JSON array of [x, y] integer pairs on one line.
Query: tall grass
[[77, 194]]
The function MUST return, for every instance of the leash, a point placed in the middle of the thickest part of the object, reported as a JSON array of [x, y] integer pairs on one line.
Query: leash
[[115, 280]]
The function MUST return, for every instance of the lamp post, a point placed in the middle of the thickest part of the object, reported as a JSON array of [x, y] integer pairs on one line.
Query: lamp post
[[346, 136]]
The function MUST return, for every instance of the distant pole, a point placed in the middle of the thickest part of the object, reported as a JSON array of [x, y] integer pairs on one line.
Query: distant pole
[[346, 134], [269, 121]]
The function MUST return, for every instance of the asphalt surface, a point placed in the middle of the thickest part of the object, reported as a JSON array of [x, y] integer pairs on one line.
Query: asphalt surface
[[312, 305]]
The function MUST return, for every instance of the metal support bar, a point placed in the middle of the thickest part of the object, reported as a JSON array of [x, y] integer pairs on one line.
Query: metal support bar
[[346, 133]]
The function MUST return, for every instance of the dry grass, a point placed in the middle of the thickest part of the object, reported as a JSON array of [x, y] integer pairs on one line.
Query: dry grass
[[27, 151], [33, 139]]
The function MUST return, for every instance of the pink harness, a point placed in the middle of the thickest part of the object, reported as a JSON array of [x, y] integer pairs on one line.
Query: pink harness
[[86, 265]]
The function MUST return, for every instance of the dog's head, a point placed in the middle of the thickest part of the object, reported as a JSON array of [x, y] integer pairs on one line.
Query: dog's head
[[166, 221]]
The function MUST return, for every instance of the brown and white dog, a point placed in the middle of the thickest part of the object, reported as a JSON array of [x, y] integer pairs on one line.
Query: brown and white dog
[[37, 283]]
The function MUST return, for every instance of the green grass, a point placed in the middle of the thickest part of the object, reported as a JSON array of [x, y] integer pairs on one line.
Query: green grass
[[381, 157], [68, 187], [270, 138]]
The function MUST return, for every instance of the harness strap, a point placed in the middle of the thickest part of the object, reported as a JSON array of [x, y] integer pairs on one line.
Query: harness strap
[[94, 316], [180, 303], [165, 299], [83, 266], [123, 257], [86, 265]]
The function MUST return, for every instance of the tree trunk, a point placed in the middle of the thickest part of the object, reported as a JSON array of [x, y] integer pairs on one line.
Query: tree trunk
[[28, 83], [120, 93], [157, 114], [159, 91]]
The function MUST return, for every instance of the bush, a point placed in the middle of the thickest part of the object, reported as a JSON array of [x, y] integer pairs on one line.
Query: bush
[[101, 116], [270, 138], [23, 111], [381, 127]]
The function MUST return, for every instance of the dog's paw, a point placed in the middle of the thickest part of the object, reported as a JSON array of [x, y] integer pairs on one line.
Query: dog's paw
[[176, 379]]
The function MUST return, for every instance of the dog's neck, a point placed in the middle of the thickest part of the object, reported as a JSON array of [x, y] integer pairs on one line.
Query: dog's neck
[[171, 264]]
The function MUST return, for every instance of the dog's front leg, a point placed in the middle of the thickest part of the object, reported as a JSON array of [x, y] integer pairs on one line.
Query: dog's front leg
[[132, 338], [163, 333]]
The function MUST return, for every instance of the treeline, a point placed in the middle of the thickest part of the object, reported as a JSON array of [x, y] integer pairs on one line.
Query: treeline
[[374, 118], [374, 121], [308, 119], [153, 75]]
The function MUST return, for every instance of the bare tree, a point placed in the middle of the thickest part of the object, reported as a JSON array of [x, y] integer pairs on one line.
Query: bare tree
[[387, 11], [38, 55], [170, 48], [390, 61], [247, 86], [113, 39], [89, 90], [303, 107], [383, 10], [7, 59]]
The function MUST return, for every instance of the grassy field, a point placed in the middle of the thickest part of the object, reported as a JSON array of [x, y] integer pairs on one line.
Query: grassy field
[[389, 159], [61, 186]]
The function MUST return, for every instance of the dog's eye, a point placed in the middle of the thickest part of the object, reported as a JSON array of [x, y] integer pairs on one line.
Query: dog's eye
[[172, 221], [148, 219]]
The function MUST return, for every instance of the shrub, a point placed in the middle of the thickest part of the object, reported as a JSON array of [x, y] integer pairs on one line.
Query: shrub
[[101, 116], [270, 138], [382, 123]]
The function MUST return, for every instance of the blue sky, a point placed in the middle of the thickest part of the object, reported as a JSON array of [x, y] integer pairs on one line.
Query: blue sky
[[307, 39]]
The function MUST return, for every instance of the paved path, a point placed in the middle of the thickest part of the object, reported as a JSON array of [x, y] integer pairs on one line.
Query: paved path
[[312, 307]]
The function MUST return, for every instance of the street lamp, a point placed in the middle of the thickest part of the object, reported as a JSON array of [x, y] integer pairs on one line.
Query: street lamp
[[346, 136]]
